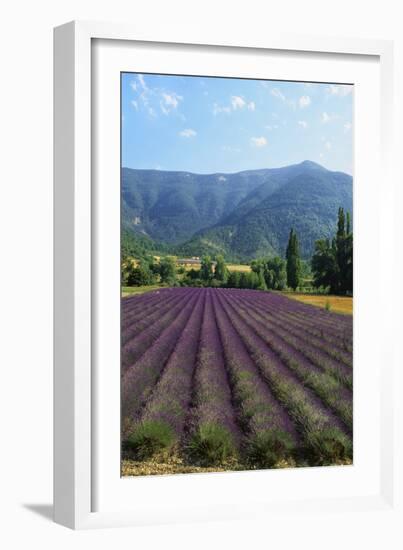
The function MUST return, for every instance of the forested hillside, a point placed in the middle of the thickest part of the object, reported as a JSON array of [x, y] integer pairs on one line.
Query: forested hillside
[[242, 216]]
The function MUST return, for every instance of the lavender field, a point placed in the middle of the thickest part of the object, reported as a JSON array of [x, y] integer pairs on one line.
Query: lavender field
[[220, 378]]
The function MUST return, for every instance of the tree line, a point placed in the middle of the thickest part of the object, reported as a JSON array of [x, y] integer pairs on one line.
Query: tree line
[[331, 267], [264, 274], [331, 263], [147, 271], [221, 276]]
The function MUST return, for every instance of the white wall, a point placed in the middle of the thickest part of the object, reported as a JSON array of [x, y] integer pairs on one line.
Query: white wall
[[26, 253]]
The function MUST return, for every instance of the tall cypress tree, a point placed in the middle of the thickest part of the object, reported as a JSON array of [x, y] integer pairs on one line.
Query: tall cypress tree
[[344, 253], [348, 223], [293, 261], [348, 277], [332, 266]]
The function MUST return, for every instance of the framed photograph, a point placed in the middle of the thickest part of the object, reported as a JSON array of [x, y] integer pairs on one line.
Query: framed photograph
[[218, 209]]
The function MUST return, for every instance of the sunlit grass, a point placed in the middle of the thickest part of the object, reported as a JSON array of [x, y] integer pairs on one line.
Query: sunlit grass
[[231, 267], [239, 267], [338, 304], [130, 290]]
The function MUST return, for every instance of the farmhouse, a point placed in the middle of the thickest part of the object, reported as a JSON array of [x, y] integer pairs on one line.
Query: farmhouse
[[193, 262]]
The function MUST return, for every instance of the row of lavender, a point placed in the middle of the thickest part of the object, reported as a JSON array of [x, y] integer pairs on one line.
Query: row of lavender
[[212, 374]]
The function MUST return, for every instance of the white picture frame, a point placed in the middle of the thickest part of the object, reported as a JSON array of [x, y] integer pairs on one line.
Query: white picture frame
[[77, 471]]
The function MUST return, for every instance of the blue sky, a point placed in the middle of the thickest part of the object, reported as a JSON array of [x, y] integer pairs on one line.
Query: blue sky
[[208, 125]]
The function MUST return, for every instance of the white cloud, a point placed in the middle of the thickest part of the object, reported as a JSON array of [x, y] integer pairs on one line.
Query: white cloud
[[142, 81], [271, 127], [258, 141], [303, 123], [188, 133], [304, 101], [150, 98], [217, 109], [347, 127], [325, 118], [172, 99], [169, 102], [222, 178], [340, 90], [145, 95], [276, 93], [237, 102], [328, 145], [165, 111]]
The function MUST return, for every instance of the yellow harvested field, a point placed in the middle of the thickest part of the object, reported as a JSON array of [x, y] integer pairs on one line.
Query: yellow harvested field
[[231, 267], [338, 304], [238, 267], [188, 267], [130, 290]]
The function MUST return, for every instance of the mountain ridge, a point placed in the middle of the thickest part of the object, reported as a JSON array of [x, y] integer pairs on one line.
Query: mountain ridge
[[241, 215]]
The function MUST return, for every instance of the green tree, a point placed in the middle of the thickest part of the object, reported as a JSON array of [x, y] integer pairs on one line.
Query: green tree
[[139, 275], [274, 271], [206, 268], [344, 243], [167, 270], [261, 280], [258, 265], [341, 250], [332, 263], [349, 265], [293, 261], [124, 270], [324, 265], [244, 280], [193, 274], [233, 279], [253, 280], [154, 267], [348, 223], [221, 272]]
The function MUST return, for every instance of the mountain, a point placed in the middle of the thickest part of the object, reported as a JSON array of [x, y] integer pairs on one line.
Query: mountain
[[243, 215], [172, 206]]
